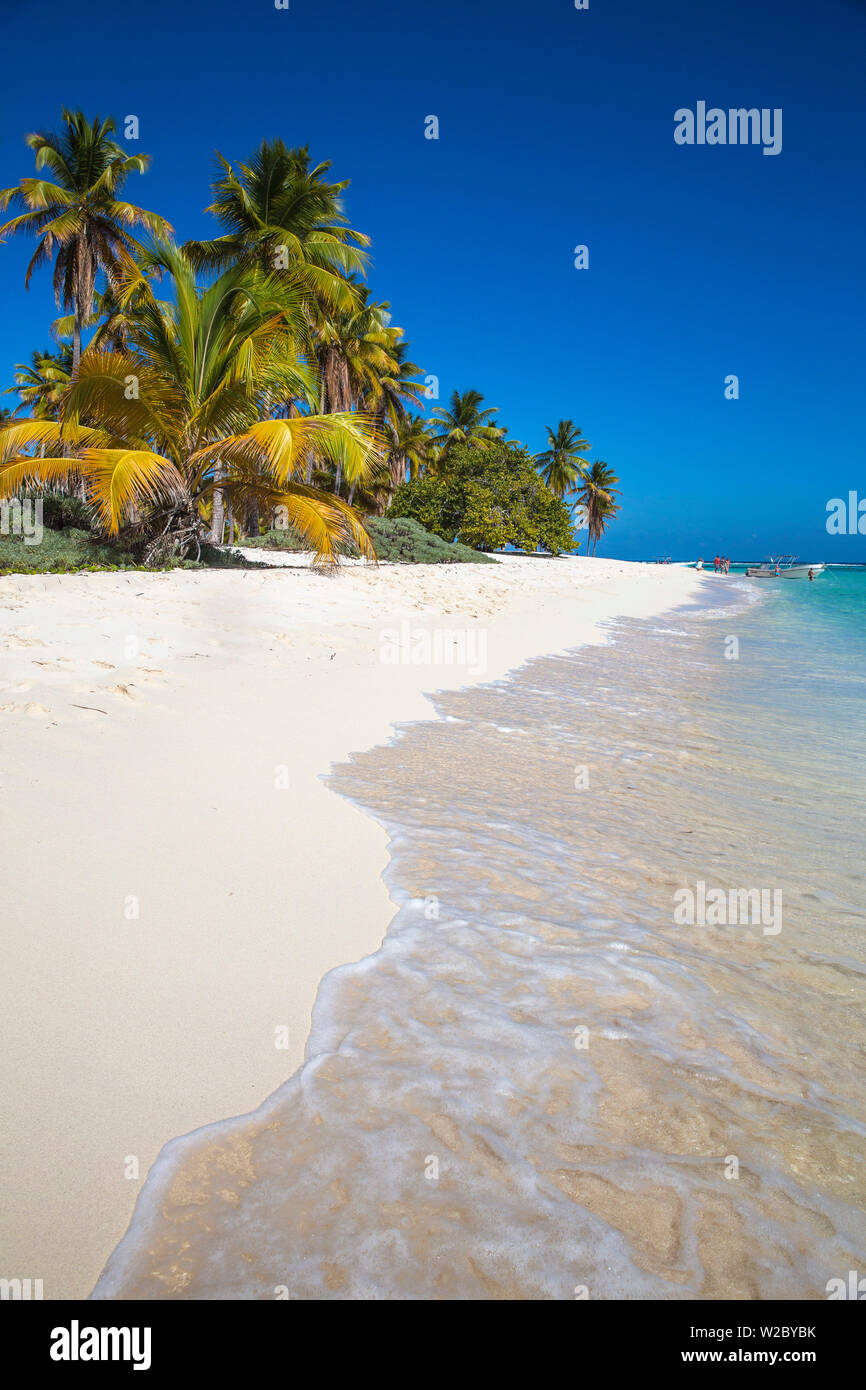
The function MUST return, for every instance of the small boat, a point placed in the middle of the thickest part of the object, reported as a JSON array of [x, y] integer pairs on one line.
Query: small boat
[[784, 567]]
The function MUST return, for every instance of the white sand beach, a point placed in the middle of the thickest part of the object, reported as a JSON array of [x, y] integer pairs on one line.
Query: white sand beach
[[178, 878]]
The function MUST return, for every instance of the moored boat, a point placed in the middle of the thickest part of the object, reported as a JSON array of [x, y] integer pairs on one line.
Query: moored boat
[[784, 567]]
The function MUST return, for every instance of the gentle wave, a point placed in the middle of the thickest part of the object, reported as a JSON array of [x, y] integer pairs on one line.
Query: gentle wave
[[541, 1086]]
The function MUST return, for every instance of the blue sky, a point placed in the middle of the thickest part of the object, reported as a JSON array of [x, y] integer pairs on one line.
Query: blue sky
[[556, 129]]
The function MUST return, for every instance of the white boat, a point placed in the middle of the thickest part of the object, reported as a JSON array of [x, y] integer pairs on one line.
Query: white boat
[[784, 567]]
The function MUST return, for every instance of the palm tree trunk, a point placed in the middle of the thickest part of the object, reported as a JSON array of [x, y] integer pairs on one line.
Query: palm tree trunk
[[81, 489], [218, 519], [76, 340]]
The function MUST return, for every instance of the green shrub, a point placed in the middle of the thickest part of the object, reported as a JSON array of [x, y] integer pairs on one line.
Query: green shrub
[[405, 541], [275, 540], [71, 550], [58, 513], [398, 539]]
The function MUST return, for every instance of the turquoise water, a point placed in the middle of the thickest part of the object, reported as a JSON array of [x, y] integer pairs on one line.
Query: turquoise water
[[546, 1084]]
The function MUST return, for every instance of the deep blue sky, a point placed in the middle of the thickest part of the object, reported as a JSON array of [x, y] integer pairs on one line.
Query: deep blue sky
[[556, 128]]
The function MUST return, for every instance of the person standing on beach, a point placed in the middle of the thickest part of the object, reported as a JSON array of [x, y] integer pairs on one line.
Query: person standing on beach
[[700, 565], [716, 564]]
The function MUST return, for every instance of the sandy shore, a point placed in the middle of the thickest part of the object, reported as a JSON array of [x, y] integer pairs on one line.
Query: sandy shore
[[178, 877]]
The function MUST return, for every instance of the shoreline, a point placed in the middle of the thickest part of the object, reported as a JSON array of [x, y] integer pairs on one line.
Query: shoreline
[[181, 725]]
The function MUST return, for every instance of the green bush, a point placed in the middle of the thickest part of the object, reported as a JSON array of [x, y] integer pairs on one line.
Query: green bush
[[398, 539], [404, 540], [488, 498], [70, 550], [281, 539], [58, 513]]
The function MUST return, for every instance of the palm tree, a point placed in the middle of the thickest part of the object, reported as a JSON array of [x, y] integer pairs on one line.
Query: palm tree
[[280, 214], [596, 498], [464, 422], [407, 454], [186, 407], [396, 386], [355, 349], [78, 218], [387, 391], [42, 384], [561, 464]]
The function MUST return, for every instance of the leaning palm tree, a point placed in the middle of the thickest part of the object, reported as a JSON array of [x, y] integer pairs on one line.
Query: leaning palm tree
[[78, 218], [562, 463], [464, 422], [596, 500], [184, 411]]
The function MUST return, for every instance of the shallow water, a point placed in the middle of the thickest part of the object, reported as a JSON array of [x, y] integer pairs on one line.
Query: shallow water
[[544, 1086]]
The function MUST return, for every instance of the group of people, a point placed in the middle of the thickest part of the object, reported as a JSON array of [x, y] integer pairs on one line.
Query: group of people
[[721, 564]]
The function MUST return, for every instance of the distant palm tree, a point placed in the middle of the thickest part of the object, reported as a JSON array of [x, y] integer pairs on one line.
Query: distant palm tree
[[42, 383], [596, 499], [408, 451], [464, 422], [78, 218], [561, 463]]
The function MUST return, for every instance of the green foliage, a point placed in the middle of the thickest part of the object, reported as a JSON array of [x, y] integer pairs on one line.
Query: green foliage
[[487, 498], [276, 539], [405, 541], [71, 550], [59, 513], [402, 541]]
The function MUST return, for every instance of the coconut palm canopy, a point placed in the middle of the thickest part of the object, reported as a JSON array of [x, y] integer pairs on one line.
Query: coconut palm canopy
[[42, 383], [187, 405], [279, 213], [464, 422], [596, 500], [562, 463], [77, 217]]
